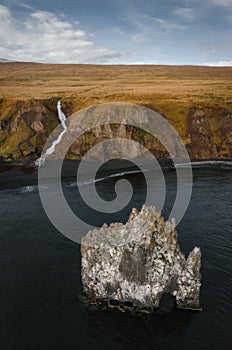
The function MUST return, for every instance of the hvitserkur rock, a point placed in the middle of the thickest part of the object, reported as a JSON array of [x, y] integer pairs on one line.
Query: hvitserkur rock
[[136, 263]]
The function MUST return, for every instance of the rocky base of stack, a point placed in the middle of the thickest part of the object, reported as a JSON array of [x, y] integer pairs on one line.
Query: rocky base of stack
[[131, 266]]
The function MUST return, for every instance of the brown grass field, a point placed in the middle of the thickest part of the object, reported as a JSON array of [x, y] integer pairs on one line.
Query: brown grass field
[[169, 89], [32, 80]]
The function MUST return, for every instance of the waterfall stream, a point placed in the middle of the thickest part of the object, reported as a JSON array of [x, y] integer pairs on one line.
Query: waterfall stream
[[40, 161]]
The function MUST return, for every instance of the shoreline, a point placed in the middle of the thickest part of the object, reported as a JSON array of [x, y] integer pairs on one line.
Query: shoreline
[[117, 164], [28, 175]]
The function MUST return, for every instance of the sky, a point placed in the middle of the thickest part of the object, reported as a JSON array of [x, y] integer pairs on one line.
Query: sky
[[173, 32]]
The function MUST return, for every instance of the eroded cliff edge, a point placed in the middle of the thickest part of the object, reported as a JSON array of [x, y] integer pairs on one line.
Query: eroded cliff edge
[[25, 126]]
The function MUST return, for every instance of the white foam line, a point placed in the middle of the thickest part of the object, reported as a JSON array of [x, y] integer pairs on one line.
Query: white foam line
[[130, 172], [204, 162]]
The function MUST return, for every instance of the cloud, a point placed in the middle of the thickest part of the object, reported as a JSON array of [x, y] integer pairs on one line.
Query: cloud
[[149, 25], [45, 37], [224, 3], [28, 7], [226, 63], [185, 13], [208, 51], [168, 24]]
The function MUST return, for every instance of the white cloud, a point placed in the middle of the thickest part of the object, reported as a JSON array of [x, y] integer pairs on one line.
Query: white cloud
[[208, 51], [148, 25], [45, 37], [226, 63], [185, 13], [168, 24], [27, 6], [222, 2]]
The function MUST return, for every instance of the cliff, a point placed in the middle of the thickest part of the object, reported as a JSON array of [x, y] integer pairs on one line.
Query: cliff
[[195, 100], [27, 125], [133, 265]]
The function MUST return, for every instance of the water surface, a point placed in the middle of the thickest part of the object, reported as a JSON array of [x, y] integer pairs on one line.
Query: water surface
[[40, 288]]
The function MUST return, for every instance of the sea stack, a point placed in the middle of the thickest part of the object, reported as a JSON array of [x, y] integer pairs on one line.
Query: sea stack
[[131, 266]]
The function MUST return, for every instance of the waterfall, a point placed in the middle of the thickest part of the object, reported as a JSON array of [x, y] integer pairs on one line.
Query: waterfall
[[40, 161]]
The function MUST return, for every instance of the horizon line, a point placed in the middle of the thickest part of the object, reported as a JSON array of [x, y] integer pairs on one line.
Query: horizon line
[[4, 60]]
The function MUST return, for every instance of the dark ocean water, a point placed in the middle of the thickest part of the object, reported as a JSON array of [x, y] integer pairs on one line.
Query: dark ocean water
[[40, 288]]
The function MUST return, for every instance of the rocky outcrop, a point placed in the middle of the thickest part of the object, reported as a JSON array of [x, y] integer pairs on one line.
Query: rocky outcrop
[[133, 265], [209, 131]]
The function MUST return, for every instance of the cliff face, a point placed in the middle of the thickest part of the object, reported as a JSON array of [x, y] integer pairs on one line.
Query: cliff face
[[26, 125], [210, 132]]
